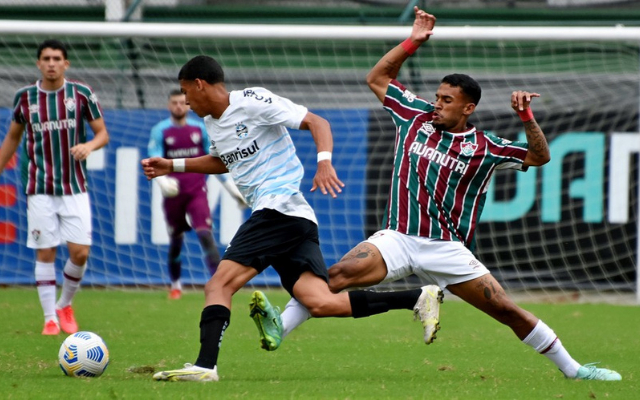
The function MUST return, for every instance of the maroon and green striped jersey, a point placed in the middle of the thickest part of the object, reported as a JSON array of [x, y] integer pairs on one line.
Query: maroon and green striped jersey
[[440, 178], [54, 122]]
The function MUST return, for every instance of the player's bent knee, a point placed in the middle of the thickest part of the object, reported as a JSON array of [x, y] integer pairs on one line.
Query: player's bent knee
[[339, 278]]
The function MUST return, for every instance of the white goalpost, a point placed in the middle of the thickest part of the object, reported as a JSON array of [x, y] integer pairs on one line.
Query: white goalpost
[[566, 231], [264, 31]]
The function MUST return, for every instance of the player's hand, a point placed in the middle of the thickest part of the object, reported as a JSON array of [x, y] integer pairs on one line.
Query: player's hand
[[156, 166], [327, 180], [422, 25], [80, 151], [520, 100]]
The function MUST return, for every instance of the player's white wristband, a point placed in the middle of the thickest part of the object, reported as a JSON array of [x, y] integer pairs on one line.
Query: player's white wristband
[[178, 165], [324, 155]]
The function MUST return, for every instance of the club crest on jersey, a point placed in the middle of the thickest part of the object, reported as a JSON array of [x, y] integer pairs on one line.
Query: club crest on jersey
[[70, 103], [241, 130], [35, 234], [195, 137], [468, 148], [33, 109], [427, 128]]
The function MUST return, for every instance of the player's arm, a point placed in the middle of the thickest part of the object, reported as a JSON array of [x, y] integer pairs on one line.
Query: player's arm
[[100, 139], [538, 153], [389, 65], [10, 143], [158, 166], [326, 178]]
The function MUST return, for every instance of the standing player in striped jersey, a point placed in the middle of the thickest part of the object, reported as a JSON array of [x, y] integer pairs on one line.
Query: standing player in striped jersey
[[442, 168], [180, 136], [51, 113], [249, 139]]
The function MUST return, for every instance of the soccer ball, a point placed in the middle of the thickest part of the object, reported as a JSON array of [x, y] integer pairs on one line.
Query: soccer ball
[[83, 354]]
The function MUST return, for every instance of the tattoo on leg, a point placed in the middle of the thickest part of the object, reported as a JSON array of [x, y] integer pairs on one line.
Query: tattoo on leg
[[489, 290], [358, 252], [362, 255]]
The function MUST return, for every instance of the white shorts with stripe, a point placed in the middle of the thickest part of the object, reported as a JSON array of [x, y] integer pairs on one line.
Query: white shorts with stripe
[[56, 219], [439, 262]]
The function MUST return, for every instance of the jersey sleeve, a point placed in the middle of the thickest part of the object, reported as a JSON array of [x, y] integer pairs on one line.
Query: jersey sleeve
[[155, 148], [403, 105], [271, 109], [17, 115], [509, 155], [211, 149], [92, 109]]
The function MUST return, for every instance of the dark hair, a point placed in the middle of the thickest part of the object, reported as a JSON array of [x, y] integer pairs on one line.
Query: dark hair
[[468, 85], [52, 44], [175, 92], [202, 67]]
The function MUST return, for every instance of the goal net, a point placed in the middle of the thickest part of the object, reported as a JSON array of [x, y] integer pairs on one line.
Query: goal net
[[567, 230]]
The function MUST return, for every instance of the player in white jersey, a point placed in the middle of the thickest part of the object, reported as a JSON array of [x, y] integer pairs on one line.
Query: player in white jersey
[[185, 195], [442, 167], [250, 140], [51, 115]]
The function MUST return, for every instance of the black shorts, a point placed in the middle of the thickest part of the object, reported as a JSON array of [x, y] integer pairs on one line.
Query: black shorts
[[289, 244]]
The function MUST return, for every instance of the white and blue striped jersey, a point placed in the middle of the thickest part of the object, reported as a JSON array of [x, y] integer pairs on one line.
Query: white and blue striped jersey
[[252, 140]]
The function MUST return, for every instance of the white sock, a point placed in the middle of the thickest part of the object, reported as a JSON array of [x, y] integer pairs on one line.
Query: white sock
[[176, 285], [46, 284], [72, 276], [294, 315], [544, 340]]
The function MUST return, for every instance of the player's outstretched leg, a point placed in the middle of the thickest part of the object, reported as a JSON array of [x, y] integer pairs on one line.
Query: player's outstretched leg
[[267, 319], [190, 372], [427, 308], [589, 372]]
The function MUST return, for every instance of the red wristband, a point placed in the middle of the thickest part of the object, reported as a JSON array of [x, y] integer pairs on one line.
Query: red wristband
[[409, 46], [525, 115]]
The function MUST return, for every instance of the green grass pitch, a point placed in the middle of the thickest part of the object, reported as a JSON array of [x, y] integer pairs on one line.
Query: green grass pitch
[[380, 357]]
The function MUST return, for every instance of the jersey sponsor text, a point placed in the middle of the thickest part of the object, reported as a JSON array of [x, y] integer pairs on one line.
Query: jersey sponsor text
[[240, 154], [53, 125]]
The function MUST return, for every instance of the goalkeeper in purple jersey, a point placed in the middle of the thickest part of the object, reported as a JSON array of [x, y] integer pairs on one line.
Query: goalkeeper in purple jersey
[[185, 194], [442, 168], [51, 115]]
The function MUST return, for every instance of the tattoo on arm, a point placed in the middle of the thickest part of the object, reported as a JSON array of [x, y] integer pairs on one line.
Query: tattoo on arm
[[537, 142]]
